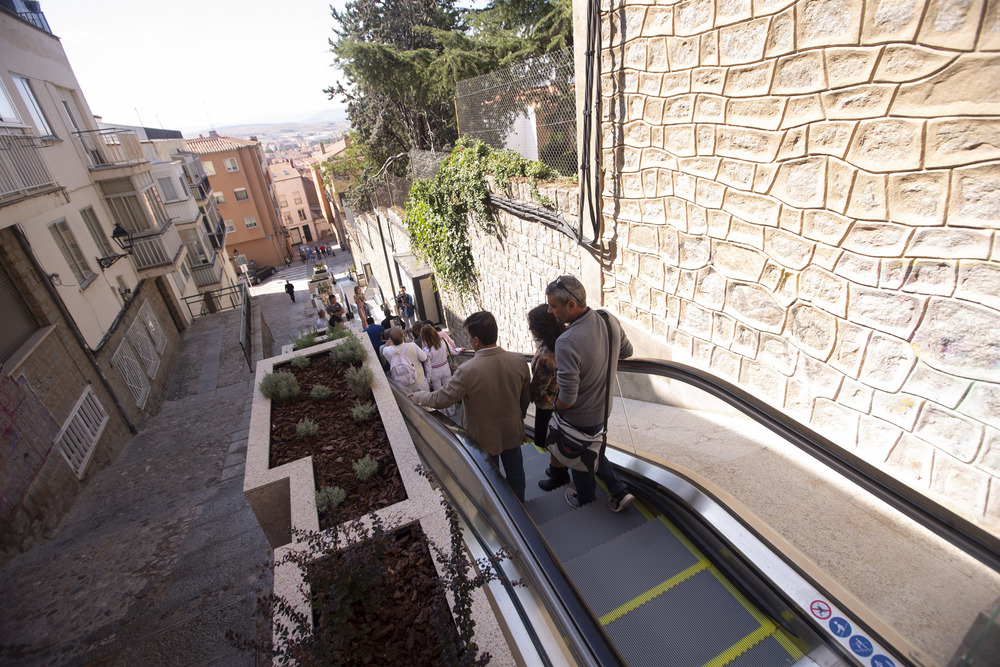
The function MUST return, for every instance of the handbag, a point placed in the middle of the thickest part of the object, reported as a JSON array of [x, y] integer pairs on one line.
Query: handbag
[[573, 448]]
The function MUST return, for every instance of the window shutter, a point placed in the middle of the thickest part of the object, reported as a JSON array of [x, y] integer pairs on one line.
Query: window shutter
[[19, 322]]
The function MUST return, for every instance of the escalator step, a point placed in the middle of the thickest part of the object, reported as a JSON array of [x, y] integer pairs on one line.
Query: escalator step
[[652, 555], [768, 653], [689, 625], [576, 531]]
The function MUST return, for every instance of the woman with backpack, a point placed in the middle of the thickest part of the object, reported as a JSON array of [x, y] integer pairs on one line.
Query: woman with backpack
[[406, 361]]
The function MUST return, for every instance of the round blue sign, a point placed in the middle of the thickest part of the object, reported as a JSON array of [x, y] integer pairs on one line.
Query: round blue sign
[[861, 646], [882, 661], [840, 627]]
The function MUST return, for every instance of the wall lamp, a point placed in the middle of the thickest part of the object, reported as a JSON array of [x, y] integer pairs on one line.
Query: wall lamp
[[123, 239]]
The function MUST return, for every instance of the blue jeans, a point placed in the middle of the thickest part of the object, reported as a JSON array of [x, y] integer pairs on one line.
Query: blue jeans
[[586, 485], [513, 469]]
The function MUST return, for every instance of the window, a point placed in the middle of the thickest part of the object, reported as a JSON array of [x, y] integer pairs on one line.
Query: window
[[148, 317], [250, 221], [135, 211], [282, 201], [35, 111], [288, 218], [231, 164], [220, 198], [208, 167], [302, 214], [68, 246], [79, 435], [18, 321], [96, 232], [230, 227], [297, 197], [8, 114], [125, 361], [168, 189], [241, 194]]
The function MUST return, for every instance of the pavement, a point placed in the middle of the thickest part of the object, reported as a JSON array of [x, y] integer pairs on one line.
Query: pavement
[[161, 555]]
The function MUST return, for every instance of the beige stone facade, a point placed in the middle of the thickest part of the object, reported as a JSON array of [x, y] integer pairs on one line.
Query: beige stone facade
[[804, 198]]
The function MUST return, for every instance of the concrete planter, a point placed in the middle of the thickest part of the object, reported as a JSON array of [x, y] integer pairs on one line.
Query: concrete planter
[[284, 502]]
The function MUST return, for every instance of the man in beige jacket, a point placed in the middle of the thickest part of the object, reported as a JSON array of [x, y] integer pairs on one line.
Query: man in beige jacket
[[494, 387]]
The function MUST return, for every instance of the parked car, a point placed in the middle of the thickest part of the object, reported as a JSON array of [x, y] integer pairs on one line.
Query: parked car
[[261, 273]]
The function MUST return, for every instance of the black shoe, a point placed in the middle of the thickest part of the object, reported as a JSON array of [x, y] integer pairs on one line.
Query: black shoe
[[557, 477]]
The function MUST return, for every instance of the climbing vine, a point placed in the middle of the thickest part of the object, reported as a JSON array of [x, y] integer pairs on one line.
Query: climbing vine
[[438, 210]]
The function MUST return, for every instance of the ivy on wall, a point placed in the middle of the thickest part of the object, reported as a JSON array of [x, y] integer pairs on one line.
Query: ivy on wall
[[438, 210]]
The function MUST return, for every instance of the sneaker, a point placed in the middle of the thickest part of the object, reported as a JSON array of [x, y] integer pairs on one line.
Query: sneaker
[[618, 503], [571, 498]]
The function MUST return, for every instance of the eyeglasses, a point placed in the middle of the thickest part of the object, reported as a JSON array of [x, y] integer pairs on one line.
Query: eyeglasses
[[569, 291]]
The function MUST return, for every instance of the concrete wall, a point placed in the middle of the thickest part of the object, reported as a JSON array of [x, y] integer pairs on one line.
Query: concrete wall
[[805, 197]]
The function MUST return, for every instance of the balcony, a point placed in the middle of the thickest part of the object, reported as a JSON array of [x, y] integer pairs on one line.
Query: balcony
[[200, 188], [182, 212], [112, 147], [154, 250], [22, 169], [208, 274]]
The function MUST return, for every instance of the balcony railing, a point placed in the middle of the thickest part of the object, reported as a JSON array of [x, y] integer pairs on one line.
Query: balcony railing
[[184, 211], [207, 274], [22, 170], [156, 249], [112, 147], [200, 188]]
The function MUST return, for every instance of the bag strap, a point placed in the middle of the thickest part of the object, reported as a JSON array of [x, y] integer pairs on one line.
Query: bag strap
[[607, 382]]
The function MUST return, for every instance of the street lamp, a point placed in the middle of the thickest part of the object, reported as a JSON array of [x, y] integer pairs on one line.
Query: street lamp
[[123, 239]]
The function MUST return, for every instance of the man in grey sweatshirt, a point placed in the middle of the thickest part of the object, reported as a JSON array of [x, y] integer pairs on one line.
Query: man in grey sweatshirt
[[581, 371]]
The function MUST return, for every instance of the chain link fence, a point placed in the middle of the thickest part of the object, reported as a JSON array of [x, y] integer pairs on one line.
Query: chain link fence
[[529, 108]]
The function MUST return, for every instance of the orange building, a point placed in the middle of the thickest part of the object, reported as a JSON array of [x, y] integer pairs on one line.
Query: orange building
[[244, 194]]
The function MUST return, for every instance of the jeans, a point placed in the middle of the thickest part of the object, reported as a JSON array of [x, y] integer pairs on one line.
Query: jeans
[[586, 485], [513, 469]]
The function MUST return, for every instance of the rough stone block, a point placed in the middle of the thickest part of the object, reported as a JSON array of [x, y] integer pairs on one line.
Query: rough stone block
[[801, 183], [643, 238], [651, 270], [888, 362], [781, 35], [709, 194], [960, 338], [679, 342], [960, 486], [982, 402], [932, 277], [850, 66], [745, 341], [746, 233], [793, 145], [892, 21], [970, 86], [723, 329], [899, 409], [768, 7], [694, 251], [746, 144], [836, 422], [975, 199], [989, 459], [764, 383], [718, 224], [710, 109], [890, 312], [911, 460], [755, 209], [865, 101], [676, 83], [828, 23], [979, 282], [989, 36], [725, 364], [652, 211], [790, 250], [798, 401], [650, 84], [950, 431], [737, 262], [956, 142], [743, 42], [656, 54], [710, 48], [778, 354], [855, 396], [755, 306], [632, 185], [877, 239], [803, 110], [950, 243], [637, 134], [825, 226], [869, 199], [695, 320], [812, 330], [659, 22], [678, 109], [705, 139], [889, 144], [876, 438], [664, 183], [677, 213], [821, 380], [710, 289], [694, 16], [669, 244], [749, 80], [942, 388], [918, 199], [825, 290], [800, 73], [858, 269], [635, 55], [830, 138], [771, 276], [679, 140], [684, 186], [763, 178], [759, 112], [839, 183], [683, 52], [951, 24], [736, 173]]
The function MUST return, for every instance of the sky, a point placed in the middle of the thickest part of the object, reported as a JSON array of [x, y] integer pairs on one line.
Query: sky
[[194, 65]]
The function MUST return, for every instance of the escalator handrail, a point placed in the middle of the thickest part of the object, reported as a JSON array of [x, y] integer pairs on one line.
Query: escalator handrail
[[548, 576]]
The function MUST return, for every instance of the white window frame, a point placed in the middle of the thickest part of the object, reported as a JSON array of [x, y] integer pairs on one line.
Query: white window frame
[[297, 197], [230, 226], [8, 112], [166, 186], [220, 197], [250, 222], [41, 123], [128, 365], [208, 167], [65, 240], [282, 201], [231, 164], [96, 231], [236, 194], [77, 439]]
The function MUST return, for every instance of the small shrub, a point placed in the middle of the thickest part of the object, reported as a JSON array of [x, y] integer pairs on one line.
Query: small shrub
[[279, 386], [351, 352], [336, 333], [300, 362], [320, 392], [306, 428], [305, 339], [362, 412], [329, 497], [365, 467], [361, 381]]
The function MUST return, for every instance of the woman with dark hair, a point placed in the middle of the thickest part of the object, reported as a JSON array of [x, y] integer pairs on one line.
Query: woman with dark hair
[[545, 328], [438, 370]]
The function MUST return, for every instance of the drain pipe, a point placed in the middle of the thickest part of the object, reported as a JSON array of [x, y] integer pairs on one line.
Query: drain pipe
[[70, 323]]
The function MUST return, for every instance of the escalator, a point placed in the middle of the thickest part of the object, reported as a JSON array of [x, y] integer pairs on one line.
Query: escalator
[[678, 578]]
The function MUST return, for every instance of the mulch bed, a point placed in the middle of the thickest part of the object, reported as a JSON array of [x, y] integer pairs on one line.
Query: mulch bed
[[339, 443]]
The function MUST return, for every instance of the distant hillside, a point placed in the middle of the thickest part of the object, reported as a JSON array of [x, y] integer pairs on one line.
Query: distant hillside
[[333, 121]]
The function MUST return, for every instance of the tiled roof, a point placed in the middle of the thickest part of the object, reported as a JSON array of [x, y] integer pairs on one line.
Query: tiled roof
[[217, 144]]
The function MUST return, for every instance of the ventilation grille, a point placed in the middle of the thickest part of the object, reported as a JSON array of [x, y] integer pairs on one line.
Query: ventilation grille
[[79, 435]]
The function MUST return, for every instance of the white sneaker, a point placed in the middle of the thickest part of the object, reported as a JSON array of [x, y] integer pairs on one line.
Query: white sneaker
[[571, 498], [621, 502]]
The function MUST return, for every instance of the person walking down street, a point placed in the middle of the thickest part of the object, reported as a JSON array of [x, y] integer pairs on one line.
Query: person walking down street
[[438, 370], [544, 389], [290, 290], [587, 355], [406, 310], [364, 310], [406, 361], [493, 387]]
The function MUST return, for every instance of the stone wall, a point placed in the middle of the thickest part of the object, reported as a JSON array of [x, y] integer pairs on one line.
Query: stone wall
[[807, 198]]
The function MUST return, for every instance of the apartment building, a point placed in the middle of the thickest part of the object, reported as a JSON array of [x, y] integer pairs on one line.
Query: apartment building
[[244, 195], [298, 203], [90, 282]]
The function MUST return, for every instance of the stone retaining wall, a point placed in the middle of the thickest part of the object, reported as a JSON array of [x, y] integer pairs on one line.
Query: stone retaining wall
[[807, 197]]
